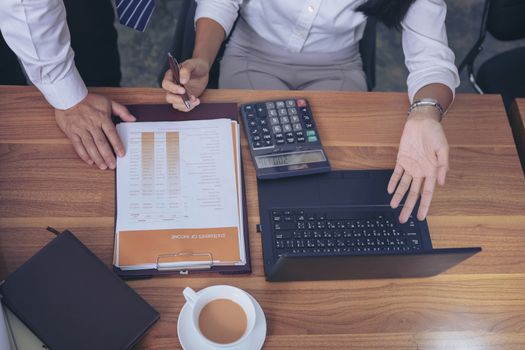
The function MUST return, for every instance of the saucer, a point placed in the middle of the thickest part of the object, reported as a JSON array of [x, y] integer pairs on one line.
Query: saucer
[[189, 341]]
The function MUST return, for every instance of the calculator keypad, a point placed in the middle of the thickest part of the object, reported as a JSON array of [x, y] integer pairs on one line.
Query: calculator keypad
[[279, 123]]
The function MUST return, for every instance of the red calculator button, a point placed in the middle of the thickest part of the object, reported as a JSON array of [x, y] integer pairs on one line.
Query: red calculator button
[[301, 103]]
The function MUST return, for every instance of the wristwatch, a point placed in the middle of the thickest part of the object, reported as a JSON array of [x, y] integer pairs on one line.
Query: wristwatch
[[428, 102]]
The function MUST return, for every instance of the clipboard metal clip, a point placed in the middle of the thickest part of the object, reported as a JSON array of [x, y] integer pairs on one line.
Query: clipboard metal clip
[[200, 265]]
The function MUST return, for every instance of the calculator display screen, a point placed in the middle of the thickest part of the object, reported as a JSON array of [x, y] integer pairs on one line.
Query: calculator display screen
[[286, 159]]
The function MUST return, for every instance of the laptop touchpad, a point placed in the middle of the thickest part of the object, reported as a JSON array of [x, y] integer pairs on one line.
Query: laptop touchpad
[[353, 192]]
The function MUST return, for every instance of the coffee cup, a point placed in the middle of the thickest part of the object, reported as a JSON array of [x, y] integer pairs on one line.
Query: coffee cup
[[222, 316]]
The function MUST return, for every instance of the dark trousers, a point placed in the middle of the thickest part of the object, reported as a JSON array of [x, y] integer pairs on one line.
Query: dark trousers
[[93, 38]]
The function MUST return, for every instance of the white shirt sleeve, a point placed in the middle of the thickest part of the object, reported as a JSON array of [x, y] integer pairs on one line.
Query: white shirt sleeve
[[427, 55], [36, 30], [224, 12]]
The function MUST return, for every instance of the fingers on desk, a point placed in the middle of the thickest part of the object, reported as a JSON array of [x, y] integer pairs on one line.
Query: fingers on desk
[[103, 147], [80, 149], [91, 148]]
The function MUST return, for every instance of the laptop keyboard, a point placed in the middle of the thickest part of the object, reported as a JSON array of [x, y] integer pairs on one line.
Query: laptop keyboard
[[342, 231]]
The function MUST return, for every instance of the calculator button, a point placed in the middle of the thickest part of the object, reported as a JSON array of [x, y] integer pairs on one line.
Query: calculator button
[[290, 103], [257, 144], [274, 120], [263, 122], [250, 115], [295, 119], [280, 104], [280, 141], [287, 127], [279, 136], [301, 103], [248, 108], [265, 130], [290, 139], [292, 111], [267, 137], [299, 134], [252, 124], [256, 138], [268, 143], [273, 113], [297, 127], [254, 131], [261, 112], [277, 128], [307, 118], [312, 138], [300, 139], [289, 134], [308, 125], [310, 133], [304, 111], [270, 105], [285, 120], [283, 111]]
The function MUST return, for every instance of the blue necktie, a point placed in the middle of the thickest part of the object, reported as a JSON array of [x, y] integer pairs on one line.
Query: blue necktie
[[135, 13]]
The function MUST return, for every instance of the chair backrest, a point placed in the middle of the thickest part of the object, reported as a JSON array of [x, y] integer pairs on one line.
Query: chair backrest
[[184, 41], [506, 19]]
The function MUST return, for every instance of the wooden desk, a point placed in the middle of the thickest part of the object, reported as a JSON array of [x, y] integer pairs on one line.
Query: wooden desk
[[479, 304], [517, 122]]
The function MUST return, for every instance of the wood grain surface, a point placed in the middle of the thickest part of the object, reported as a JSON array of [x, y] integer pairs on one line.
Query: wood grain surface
[[479, 304]]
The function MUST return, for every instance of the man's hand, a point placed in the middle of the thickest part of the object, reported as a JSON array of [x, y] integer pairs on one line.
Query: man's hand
[[422, 158], [194, 76], [89, 127]]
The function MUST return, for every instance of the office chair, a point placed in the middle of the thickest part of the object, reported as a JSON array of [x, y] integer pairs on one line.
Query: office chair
[[504, 73], [184, 39]]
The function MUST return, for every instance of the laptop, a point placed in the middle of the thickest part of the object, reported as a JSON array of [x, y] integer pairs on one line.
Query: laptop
[[340, 225]]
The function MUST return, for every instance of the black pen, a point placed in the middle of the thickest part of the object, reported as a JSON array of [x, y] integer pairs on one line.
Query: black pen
[[175, 71]]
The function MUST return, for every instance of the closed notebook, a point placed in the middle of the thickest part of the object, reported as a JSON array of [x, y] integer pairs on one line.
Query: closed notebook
[[71, 300]]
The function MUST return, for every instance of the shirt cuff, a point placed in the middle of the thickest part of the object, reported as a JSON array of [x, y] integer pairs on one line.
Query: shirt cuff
[[64, 93], [446, 77], [225, 16]]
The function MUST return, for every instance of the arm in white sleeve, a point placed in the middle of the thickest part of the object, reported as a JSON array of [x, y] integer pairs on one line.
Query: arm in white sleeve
[[224, 12], [36, 30], [427, 55]]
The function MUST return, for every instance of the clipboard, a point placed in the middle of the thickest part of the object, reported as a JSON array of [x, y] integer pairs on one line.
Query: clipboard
[[205, 111]]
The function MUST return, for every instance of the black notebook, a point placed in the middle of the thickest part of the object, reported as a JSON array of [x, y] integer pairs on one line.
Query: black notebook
[[71, 300]]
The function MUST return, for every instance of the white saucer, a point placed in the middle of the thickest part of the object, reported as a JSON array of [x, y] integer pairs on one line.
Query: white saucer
[[189, 341]]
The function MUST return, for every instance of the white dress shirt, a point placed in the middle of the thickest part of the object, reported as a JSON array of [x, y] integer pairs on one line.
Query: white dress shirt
[[333, 25], [36, 30]]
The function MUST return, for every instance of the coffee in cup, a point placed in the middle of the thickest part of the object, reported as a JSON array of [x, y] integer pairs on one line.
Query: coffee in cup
[[222, 315], [222, 321]]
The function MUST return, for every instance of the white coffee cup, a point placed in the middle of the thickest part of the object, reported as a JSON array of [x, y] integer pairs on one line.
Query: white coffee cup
[[198, 301]]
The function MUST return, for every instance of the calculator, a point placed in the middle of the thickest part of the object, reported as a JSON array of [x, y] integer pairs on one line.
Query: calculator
[[283, 138]]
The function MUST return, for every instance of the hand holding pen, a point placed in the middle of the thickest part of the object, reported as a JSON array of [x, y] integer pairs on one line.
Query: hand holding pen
[[185, 83]]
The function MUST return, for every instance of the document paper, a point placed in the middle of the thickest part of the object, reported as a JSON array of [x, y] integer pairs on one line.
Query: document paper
[[179, 195]]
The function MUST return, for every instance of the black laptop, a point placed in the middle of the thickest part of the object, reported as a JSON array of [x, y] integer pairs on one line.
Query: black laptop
[[339, 225]]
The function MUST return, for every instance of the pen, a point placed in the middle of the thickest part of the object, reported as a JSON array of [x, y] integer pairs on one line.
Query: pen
[[175, 71]]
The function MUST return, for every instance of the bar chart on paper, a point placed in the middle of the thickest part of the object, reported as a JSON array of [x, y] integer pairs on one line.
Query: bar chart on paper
[[155, 177]]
